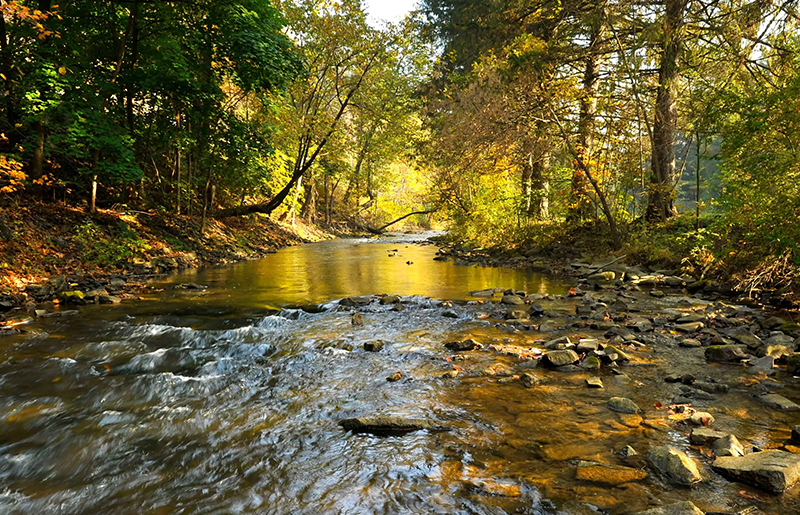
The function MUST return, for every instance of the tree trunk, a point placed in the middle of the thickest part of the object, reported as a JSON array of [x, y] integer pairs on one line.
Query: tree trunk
[[580, 202], [539, 204], [661, 204]]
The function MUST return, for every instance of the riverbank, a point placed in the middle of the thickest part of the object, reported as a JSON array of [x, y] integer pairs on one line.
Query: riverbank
[[675, 250], [56, 253]]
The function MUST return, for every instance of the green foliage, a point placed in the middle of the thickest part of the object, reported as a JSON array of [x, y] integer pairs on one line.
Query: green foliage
[[108, 248]]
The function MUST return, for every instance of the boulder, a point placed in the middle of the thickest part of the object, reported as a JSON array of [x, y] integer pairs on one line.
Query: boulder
[[675, 465], [559, 358], [622, 405], [681, 508], [774, 471]]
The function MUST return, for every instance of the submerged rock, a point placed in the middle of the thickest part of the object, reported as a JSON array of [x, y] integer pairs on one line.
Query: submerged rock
[[612, 475], [675, 465], [779, 402], [774, 471], [623, 405], [464, 345], [388, 425]]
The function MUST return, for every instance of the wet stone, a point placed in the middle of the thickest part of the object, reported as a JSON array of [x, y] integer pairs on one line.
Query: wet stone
[[657, 294], [725, 353], [375, 346], [728, 446], [705, 436], [623, 405], [591, 363], [702, 418], [387, 425], [529, 380], [513, 300], [774, 471], [464, 345], [612, 475], [390, 299], [355, 301], [675, 465], [594, 382], [560, 358], [765, 365], [779, 402], [691, 343], [691, 327]]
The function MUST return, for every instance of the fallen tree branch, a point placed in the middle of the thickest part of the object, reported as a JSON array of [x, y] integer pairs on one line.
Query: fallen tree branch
[[380, 230]]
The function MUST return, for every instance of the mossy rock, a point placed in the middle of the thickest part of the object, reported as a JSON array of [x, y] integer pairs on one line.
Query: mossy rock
[[72, 297], [790, 327]]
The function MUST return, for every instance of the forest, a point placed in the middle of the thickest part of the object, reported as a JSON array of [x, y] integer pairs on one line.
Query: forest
[[666, 130]]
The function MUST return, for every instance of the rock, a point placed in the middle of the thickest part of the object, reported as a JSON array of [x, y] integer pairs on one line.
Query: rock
[[109, 299], [772, 322], [559, 358], [705, 436], [356, 301], [184, 286], [779, 402], [591, 363], [462, 346], [594, 382], [357, 319], [690, 343], [729, 445], [619, 305], [763, 365], [395, 377], [604, 474], [779, 339], [623, 405], [388, 425], [485, 294], [529, 380], [628, 451], [675, 465], [725, 353], [706, 386], [72, 297], [657, 294], [583, 310], [602, 277], [517, 314], [702, 418], [796, 433], [390, 299], [690, 327], [610, 350], [375, 346], [513, 300], [672, 379], [681, 508], [449, 313], [744, 337], [587, 345], [793, 365], [774, 471]]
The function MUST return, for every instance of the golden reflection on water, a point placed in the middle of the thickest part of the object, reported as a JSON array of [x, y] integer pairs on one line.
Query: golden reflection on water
[[323, 272]]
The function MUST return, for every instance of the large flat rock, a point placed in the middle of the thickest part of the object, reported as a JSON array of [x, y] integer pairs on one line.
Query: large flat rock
[[771, 470]]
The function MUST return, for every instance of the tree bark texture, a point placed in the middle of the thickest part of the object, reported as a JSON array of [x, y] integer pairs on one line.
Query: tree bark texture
[[661, 203]]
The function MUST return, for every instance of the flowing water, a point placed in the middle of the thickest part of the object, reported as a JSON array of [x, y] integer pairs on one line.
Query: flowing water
[[227, 401]]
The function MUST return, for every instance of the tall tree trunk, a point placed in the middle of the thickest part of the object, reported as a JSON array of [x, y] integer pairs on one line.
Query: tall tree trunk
[[580, 202], [661, 204], [539, 206]]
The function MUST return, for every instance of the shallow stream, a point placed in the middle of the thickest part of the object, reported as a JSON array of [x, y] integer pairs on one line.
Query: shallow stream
[[227, 400]]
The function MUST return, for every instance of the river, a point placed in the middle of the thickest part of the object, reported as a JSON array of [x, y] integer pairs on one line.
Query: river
[[228, 400]]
